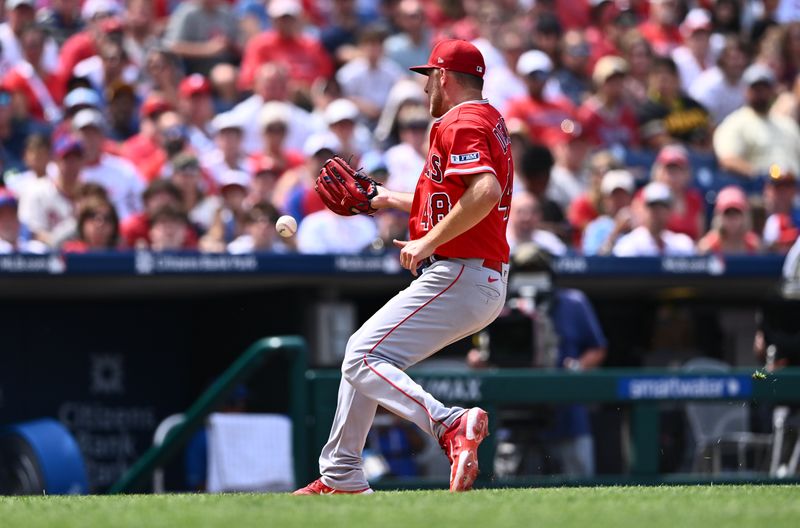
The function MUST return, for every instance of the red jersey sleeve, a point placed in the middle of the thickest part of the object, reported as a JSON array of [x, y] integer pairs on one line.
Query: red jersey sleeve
[[466, 150]]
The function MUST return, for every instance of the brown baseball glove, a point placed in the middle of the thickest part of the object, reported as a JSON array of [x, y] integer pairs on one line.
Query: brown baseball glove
[[345, 191]]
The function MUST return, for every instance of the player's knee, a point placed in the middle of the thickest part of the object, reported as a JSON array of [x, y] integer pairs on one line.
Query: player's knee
[[352, 360], [351, 367]]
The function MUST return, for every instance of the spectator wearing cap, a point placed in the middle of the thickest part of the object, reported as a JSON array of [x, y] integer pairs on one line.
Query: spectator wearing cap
[[101, 24], [135, 230], [721, 89], [29, 80], [21, 14], [661, 27], [673, 168], [590, 204], [98, 228], [783, 220], [10, 229], [341, 116], [406, 159], [119, 177], [652, 238], [203, 33], [568, 177], [47, 206], [750, 140], [411, 44], [201, 206], [303, 56], [572, 74], [197, 109], [731, 232], [76, 100], [696, 54], [276, 121], [228, 221], [36, 159], [607, 118], [259, 232], [272, 85], [264, 180], [367, 79], [602, 233], [140, 148], [169, 230], [524, 225], [669, 115], [541, 113], [227, 153], [61, 19], [123, 123]]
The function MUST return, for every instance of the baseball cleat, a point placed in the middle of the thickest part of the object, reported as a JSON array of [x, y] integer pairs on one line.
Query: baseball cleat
[[460, 443], [319, 488]]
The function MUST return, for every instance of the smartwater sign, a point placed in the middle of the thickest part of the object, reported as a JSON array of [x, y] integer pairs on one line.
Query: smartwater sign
[[685, 387]]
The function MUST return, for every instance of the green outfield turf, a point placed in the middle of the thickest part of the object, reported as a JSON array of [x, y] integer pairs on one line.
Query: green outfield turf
[[617, 507]]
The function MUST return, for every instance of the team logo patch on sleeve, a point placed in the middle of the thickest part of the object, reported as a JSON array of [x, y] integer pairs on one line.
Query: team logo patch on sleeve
[[458, 159]]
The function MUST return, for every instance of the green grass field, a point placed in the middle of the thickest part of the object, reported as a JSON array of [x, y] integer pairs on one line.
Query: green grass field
[[617, 507]]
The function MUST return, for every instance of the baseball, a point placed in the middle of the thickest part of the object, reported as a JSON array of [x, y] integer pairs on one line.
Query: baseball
[[286, 226]]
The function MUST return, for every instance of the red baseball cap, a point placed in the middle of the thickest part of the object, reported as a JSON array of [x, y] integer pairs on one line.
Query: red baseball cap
[[454, 55], [731, 197], [673, 155], [154, 104], [194, 84]]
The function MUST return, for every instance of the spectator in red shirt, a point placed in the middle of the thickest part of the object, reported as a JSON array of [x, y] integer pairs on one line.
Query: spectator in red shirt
[[661, 28], [589, 205], [541, 113], [275, 118], [135, 229], [781, 227], [606, 117], [304, 56], [169, 230], [141, 148], [29, 80], [98, 228], [731, 231], [197, 109], [100, 24], [687, 214]]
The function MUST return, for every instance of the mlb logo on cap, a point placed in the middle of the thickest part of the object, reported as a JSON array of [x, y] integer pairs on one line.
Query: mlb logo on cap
[[454, 55]]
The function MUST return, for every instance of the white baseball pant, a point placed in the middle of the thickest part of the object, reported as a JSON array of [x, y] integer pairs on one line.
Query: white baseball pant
[[450, 300]]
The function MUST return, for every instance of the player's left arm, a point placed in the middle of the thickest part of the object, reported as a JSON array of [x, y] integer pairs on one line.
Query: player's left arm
[[482, 194]]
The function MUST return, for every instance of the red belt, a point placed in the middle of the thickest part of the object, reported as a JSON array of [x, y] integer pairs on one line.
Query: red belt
[[494, 265]]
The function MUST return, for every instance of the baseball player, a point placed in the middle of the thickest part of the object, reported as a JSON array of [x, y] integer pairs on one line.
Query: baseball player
[[458, 251]]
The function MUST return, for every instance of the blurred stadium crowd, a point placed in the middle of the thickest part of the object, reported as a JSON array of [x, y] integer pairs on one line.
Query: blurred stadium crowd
[[640, 127]]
